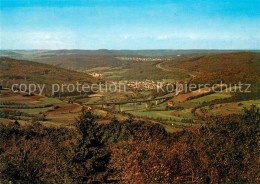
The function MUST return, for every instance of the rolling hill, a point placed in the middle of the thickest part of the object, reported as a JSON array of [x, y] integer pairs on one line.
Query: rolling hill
[[82, 62], [40, 54], [227, 67], [22, 71]]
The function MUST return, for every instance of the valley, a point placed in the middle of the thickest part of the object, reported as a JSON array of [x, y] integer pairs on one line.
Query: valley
[[129, 92], [140, 98]]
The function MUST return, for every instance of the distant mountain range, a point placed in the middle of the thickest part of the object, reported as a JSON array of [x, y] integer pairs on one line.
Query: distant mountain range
[[38, 54]]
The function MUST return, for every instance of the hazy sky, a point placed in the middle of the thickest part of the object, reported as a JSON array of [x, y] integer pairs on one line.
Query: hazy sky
[[132, 24]]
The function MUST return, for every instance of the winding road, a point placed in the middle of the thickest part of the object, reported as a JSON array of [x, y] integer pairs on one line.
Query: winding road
[[159, 66], [164, 69]]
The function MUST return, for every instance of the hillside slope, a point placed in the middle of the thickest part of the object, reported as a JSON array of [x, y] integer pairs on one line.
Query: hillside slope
[[82, 62], [22, 71], [228, 67]]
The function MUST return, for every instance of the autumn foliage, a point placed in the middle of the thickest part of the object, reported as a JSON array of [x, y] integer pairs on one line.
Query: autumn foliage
[[223, 150]]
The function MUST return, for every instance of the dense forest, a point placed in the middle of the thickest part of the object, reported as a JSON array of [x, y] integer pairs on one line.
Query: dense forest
[[27, 72], [229, 68], [222, 150]]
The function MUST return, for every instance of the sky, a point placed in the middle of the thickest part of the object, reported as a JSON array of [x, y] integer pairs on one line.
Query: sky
[[132, 24]]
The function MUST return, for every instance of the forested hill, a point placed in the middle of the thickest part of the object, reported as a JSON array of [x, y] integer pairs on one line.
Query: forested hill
[[22, 71], [82, 62], [226, 67]]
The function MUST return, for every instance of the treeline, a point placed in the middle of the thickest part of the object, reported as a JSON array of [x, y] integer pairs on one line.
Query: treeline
[[223, 150]]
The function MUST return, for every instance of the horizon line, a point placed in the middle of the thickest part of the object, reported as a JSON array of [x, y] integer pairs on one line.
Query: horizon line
[[132, 49]]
